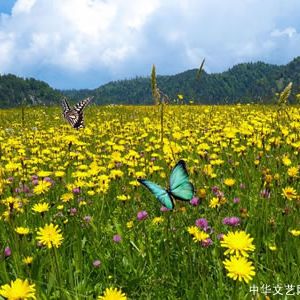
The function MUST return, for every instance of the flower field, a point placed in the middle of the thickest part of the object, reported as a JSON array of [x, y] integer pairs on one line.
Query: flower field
[[76, 224]]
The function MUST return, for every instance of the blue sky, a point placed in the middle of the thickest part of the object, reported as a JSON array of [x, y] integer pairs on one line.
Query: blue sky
[[6, 6], [87, 43]]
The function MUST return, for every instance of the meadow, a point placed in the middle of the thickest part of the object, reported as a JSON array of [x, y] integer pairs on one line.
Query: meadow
[[76, 224]]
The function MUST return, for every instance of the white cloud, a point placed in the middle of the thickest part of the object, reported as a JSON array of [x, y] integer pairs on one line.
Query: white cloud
[[289, 31], [83, 43], [23, 7], [73, 34]]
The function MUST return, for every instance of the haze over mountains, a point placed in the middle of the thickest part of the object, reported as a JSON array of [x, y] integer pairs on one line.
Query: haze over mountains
[[247, 82]]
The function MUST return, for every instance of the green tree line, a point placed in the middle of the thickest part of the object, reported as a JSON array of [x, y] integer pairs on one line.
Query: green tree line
[[247, 82]]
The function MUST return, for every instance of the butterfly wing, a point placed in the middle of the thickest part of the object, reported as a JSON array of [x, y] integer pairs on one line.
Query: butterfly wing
[[78, 108], [75, 115], [65, 106], [75, 120], [180, 186], [161, 194], [69, 114]]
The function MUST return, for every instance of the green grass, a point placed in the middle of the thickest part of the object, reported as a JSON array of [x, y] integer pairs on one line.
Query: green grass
[[151, 261]]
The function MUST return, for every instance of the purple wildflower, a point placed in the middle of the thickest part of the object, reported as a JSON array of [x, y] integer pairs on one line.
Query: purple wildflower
[[163, 209], [117, 238], [231, 221], [18, 190], [73, 211], [142, 215], [87, 219], [194, 201], [206, 243], [48, 179], [215, 189], [201, 223], [76, 190], [35, 181], [96, 263], [10, 179], [7, 252], [236, 200]]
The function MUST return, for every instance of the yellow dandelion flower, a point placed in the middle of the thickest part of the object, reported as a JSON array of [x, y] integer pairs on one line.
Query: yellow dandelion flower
[[41, 207], [123, 197], [268, 178], [44, 173], [200, 236], [157, 220], [67, 197], [293, 172], [289, 193], [27, 260], [272, 247], [214, 202], [22, 230], [18, 290], [192, 230], [229, 182], [50, 236], [239, 268], [295, 232], [286, 161], [112, 294], [140, 174], [42, 187], [114, 174], [202, 193], [129, 224], [162, 175], [134, 183], [238, 243], [59, 174]]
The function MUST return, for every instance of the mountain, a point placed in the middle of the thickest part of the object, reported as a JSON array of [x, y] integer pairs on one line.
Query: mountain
[[247, 82], [15, 91]]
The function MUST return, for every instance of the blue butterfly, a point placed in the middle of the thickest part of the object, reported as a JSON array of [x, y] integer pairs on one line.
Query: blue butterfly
[[180, 187]]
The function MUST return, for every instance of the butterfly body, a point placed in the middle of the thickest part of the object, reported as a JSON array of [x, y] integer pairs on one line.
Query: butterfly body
[[75, 115], [180, 187]]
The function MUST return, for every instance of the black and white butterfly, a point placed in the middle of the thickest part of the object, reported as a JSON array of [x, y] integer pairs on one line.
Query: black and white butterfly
[[75, 115]]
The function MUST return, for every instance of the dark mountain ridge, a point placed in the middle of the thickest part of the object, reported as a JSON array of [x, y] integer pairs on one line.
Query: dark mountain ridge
[[246, 82]]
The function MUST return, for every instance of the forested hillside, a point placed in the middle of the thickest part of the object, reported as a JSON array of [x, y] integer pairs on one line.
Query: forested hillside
[[248, 82], [15, 91]]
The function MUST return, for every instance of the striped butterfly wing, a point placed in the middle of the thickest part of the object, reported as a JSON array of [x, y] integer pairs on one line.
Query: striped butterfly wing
[[180, 186], [65, 106], [78, 108], [75, 115], [69, 114], [75, 119], [161, 194]]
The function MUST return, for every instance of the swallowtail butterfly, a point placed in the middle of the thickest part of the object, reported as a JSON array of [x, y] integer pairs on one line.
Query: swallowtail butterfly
[[75, 115]]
